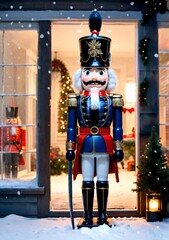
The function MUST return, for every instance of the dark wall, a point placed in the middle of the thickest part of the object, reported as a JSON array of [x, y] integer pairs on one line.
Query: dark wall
[[149, 113], [126, 5]]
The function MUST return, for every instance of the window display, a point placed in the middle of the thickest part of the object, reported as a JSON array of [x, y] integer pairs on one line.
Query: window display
[[18, 80]]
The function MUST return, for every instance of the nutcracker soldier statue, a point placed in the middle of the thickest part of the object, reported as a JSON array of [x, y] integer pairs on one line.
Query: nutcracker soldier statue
[[95, 108], [14, 142]]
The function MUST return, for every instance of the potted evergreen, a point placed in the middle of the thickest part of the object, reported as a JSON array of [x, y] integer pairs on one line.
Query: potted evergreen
[[153, 177]]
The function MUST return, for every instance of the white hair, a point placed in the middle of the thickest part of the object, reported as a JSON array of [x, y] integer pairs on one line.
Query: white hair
[[77, 81]]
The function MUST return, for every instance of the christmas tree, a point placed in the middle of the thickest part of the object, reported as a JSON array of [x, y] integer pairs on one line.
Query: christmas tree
[[58, 162], [65, 80], [153, 172]]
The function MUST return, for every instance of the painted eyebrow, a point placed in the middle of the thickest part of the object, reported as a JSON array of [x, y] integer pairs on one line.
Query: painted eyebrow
[[85, 69], [101, 68]]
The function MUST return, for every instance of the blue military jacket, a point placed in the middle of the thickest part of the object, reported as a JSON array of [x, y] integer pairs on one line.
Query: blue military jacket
[[107, 114]]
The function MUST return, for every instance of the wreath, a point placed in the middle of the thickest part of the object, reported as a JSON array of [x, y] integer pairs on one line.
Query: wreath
[[65, 80]]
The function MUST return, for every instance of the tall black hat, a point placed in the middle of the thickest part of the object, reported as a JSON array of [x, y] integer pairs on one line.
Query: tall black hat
[[95, 49], [12, 112]]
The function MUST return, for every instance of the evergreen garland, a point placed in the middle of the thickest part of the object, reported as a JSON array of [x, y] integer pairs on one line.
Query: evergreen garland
[[143, 91], [65, 80], [153, 172], [152, 7], [143, 50]]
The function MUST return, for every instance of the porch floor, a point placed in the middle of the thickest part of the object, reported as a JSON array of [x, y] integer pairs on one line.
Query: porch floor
[[121, 195]]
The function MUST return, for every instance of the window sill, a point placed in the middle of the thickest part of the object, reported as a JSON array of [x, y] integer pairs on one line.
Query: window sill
[[22, 191]]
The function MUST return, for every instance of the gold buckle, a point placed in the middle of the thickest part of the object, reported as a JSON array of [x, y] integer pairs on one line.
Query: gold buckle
[[94, 130]]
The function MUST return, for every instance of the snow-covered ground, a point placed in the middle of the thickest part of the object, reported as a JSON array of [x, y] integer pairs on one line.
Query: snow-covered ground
[[15, 227]]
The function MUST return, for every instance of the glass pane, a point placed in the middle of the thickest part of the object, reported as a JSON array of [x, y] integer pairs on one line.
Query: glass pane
[[164, 59], [164, 110], [1, 82], [164, 82], [163, 37], [19, 134], [18, 81], [26, 108], [123, 53], [164, 133], [20, 46], [1, 46]]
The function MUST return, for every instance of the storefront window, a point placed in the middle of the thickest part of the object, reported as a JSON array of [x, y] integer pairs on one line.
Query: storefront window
[[164, 88], [18, 80]]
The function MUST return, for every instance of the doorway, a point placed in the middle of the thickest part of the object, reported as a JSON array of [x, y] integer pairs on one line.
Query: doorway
[[65, 47]]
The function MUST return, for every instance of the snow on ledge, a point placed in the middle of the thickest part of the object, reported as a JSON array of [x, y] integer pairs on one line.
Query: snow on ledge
[[10, 183]]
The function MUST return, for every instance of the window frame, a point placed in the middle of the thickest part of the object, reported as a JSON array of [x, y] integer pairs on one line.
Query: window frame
[[12, 27], [163, 96]]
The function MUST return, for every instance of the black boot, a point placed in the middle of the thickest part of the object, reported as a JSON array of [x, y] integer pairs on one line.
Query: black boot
[[88, 196], [102, 196]]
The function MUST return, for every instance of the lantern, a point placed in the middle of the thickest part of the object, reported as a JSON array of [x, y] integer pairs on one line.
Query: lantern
[[153, 207]]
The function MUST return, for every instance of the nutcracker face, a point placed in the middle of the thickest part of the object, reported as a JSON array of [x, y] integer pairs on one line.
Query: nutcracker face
[[11, 121], [94, 77]]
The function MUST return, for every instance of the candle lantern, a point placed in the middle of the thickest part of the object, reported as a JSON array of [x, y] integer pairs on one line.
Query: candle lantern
[[153, 207]]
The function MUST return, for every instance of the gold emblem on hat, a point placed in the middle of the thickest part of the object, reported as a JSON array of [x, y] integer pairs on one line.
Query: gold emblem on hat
[[94, 48]]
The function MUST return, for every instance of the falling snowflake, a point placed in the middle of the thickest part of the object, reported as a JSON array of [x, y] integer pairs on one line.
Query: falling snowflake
[[94, 48], [41, 36]]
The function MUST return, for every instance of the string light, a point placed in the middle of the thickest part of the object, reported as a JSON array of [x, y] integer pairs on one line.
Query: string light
[[143, 50], [59, 66]]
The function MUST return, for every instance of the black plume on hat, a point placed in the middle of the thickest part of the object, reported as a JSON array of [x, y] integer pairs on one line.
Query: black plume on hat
[[95, 49], [95, 21]]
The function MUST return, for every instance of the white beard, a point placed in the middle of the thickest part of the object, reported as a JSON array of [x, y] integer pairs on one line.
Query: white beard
[[95, 103]]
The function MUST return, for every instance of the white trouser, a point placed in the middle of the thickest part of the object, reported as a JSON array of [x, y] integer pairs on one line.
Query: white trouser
[[92, 162]]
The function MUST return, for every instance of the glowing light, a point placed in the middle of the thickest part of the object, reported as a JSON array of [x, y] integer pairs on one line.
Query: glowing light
[[153, 205], [130, 92]]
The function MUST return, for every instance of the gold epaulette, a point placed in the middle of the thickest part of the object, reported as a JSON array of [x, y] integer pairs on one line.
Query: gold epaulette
[[72, 100], [118, 100]]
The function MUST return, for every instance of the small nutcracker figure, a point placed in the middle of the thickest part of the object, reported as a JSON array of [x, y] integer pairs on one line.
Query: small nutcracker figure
[[14, 142], [95, 109]]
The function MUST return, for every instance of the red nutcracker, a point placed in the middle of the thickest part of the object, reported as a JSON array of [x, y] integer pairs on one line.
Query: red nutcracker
[[14, 142]]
